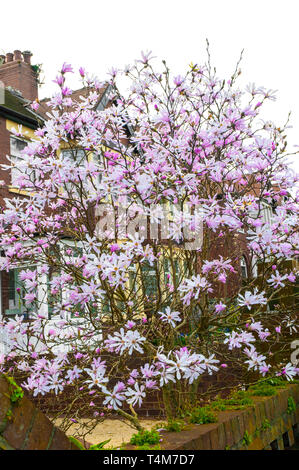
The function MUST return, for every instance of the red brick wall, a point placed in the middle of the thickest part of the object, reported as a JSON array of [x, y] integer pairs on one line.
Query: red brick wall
[[24, 427], [20, 75], [243, 430]]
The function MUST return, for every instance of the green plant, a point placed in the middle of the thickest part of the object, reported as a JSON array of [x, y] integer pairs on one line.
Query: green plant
[[80, 446], [239, 397], [275, 382], [149, 447], [262, 390], [76, 442], [291, 405], [256, 433], [202, 416], [219, 405], [265, 425], [38, 69], [145, 437], [16, 393], [99, 446], [9, 414], [237, 400], [174, 426], [247, 439]]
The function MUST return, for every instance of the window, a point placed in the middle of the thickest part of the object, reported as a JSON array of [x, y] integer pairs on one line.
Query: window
[[16, 293], [105, 99], [169, 275], [53, 299], [150, 281], [133, 285], [75, 154], [244, 270], [267, 213], [17, 146], [76, 159]]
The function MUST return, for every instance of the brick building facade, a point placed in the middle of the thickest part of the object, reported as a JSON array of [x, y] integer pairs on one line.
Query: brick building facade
[[19, 87], [19, 82], [17, 72]]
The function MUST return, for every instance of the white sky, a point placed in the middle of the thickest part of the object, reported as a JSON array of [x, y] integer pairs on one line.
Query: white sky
[[99, 35]]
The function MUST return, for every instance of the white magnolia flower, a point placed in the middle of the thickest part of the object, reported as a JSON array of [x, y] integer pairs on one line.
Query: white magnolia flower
[[135, 396], [113, 398], [170, 317], [249, 299]]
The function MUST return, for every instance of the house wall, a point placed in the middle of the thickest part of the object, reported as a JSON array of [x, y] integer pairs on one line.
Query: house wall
[[17, 73], [4, 150]]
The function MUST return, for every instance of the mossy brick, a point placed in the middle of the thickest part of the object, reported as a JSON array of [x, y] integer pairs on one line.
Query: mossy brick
[[236, 430], [234, 447], [258, 418], [275, 401], [206, 441], [183, 445], [283, 400], [200, 444], [248, 416], [249, 421], [242, 424], [256, 444], [293, 418], [273, 432], [186, 444], [281, 427], [5, 406], [228, 433], [287, 421], [287, 391], [214, 439], [269, 435], [221, 436], [268, 412], [22, 419], [192, 445], [262, 410], [239, 446], [291, 437], [4, 387], [59, 441], [272, 409], [280, 443], [5, 402], [40, 433], [195, 444]]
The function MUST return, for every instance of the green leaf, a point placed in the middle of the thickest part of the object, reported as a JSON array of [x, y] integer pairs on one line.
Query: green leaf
[[99, 446], [76, 442]]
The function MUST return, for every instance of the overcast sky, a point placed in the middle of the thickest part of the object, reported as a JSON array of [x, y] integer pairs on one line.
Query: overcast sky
[[99, 35]]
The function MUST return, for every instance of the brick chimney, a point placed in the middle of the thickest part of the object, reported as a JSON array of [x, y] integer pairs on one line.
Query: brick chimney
[[16, 71]]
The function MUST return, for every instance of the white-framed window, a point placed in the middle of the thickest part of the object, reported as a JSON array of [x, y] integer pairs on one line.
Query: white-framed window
[[17, 145], [16, 293], [244, 268], [267, 213], [74, 154]]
